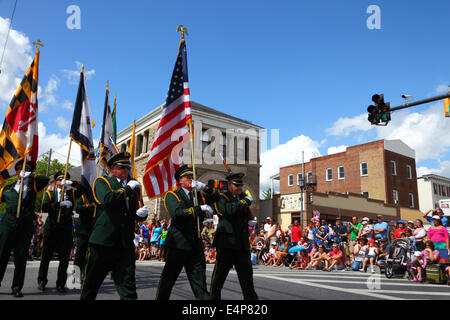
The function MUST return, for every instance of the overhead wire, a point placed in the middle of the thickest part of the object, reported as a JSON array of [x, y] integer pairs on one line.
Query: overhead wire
[[7, 35]]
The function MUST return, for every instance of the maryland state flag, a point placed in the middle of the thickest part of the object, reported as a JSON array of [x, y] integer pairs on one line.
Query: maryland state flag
[[19, 134]]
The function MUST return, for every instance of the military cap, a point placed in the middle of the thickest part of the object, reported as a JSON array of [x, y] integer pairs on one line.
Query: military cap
[[183, 171], [29, 166], [236, 178], [60, 175], [120, 159]]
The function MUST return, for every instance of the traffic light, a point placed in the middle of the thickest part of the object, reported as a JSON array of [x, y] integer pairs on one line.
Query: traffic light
[[446, 107], [380, 112]]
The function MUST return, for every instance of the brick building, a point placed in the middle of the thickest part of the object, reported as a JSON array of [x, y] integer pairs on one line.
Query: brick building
[[383, 170], [215, 133]]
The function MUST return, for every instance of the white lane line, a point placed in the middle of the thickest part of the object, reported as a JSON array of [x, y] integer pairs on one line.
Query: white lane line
[[346, 290], [383, 282]]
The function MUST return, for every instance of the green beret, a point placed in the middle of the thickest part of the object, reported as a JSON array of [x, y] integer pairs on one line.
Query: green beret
[[236, 178], [183, 170], [120, 159], [29, 166]]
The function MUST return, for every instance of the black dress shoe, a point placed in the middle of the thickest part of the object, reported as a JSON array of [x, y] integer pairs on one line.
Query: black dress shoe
[[18, 294], [41, 287], [61, 290]]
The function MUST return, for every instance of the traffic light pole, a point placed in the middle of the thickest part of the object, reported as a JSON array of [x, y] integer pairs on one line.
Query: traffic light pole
[[423, 101]]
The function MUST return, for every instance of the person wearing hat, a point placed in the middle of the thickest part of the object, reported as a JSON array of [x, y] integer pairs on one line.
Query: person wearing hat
[[400, 229], [58, 229], [231, 239], [380, 229], [16, 232], [111, 246], [438, 234], [366, 229], [439, 212], [184, 247]]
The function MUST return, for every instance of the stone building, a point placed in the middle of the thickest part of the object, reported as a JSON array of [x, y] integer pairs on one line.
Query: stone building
[[216, 134]]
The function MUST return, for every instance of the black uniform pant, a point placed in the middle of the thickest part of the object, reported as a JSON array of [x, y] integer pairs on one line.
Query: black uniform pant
[[100, 260], [194, 264], [61, 241], [225, 259], [17, 240], [81, 245]]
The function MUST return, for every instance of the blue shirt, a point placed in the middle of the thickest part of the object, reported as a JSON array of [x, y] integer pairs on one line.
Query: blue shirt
[[444, 221], [155, 234], [145, 232], [383, 235]]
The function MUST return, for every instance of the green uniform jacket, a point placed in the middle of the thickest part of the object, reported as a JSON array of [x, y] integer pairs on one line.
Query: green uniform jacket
[[232, 230], [11, 197], [182, 233], [115, 222], [86, 219], [51, 206]]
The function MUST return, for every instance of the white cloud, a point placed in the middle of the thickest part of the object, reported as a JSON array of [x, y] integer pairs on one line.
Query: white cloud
[[443, 170], [333, 150], [346, 126], [18, 57], [442, 88], [48, 96], [67, 105], [63, 123], [74, 75], [286, 154], [59, 144]]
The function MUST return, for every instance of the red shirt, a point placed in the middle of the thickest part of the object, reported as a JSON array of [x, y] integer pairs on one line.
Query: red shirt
[[339, 252], [398, 232], [297, 233]]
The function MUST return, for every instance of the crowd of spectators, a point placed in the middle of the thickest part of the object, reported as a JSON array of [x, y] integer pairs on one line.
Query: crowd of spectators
[[359, 245]]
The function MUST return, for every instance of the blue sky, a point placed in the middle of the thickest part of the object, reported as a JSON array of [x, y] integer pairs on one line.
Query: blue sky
[[306, 68]]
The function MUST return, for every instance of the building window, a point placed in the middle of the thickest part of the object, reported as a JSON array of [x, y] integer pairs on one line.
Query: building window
[[365, 194], [309, 177], [393, 168], [411, 200], [364, 170], [395, 196], [408, 172], [444, 191], [329, 174], [435, 188], [299, 178], [341, 172], [290, 180]]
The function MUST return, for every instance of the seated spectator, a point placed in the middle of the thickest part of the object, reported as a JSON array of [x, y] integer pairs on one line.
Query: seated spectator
[[336, 260], [430, 254], [302, 261], [438, 234], [400, 229], [313, 250], [143, 251], [319, 258], [282, 251], [410, 225], [272, 255], [372, 254], [359, 254], [416, 269], [321, 235], [384, 249]]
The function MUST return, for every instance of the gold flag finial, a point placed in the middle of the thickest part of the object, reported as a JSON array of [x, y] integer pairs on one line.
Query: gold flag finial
[[107, 85], [183, 30], [82, 67], [38, 44]]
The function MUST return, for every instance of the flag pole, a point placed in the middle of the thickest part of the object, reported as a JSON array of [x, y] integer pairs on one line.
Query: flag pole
[[65, 176], [183, 31], [21, 186]]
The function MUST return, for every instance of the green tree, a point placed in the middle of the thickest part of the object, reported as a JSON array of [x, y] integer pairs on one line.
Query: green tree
[[267, 195]]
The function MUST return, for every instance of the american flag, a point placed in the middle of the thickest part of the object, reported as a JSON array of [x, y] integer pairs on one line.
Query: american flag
[[166, 153]]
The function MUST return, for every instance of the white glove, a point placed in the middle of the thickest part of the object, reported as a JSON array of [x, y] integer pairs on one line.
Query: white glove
[[142, 212], [66, 183], [133, 184], [198, 185], [207, 208], [66, 204], [24, 174]]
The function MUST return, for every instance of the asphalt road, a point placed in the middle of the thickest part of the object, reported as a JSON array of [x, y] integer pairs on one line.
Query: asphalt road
[[271, 283]]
